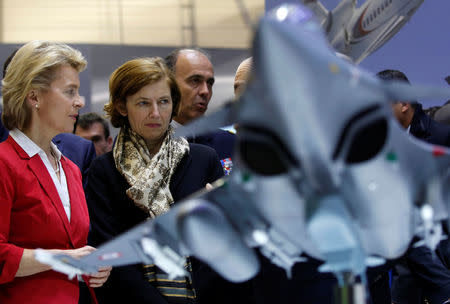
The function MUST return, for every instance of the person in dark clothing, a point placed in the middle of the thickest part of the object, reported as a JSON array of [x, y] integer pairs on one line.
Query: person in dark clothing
[[411, 116], [3, 131], [421, 275], [442, 115], [147, 171], [194, 74]]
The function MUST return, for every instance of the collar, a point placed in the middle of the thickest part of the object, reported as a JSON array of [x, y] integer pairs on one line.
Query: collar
[[29, 146]]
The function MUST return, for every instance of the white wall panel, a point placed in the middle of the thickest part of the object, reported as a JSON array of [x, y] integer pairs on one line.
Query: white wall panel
[[136, 22]]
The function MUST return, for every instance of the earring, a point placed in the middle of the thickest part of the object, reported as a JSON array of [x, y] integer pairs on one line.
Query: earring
[[36, 106]]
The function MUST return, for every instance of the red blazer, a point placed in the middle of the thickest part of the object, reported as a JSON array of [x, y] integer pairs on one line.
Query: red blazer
[[32, 216]]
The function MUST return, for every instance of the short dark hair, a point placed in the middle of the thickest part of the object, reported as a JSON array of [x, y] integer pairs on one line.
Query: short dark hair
[[393, 75], [396, 75], [171, 59], [85, 121]]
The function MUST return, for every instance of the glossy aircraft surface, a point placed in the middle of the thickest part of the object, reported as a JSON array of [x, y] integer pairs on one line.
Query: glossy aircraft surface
[[360, 31], [322, 168]]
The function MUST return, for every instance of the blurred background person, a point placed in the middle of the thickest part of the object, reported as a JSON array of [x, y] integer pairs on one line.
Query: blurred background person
[[442, 115], [420, 275], [241, 77], [411, 116], [42, 203], [95, 128]]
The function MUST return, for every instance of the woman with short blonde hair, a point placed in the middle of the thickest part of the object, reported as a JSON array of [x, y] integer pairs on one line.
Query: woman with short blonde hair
[[34, 65], [42, 202]]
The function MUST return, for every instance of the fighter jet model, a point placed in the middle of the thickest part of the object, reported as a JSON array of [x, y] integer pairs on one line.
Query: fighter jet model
[[358, 32], [321, 168]]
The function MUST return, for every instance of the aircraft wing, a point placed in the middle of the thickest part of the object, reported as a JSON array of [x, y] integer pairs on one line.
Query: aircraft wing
[[197, 226], [150, 242]]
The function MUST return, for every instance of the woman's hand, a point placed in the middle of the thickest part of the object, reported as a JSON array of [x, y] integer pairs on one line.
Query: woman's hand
[[96, 279], [93, 280], [79, 252], [29, 265], [99, 278]]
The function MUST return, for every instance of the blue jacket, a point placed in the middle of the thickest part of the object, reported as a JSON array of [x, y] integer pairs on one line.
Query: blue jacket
[[3, 131], [221, 141], [79, 150], [423, 127]]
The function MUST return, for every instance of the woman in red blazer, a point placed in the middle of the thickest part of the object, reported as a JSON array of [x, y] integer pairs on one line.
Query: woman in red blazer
[[42, 204]]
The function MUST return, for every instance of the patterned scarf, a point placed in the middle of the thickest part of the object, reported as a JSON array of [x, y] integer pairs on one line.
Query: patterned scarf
[[148, 176]]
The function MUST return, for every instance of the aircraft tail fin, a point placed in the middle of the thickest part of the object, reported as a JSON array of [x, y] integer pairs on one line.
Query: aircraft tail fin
[[318, 9]]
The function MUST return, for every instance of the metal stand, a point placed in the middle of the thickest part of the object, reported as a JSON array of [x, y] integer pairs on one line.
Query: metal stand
[[350, 291]]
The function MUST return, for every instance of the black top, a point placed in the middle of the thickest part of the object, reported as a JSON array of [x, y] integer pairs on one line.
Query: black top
[[113, 213], [3, 131]]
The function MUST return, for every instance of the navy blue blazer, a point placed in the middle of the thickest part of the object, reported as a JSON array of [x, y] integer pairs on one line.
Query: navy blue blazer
[[423, 127], [112, 213], [221, 141], [79, 150], [3, 131]]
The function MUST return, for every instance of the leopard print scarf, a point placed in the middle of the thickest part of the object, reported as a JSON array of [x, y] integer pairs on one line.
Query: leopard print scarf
[[148, 176]]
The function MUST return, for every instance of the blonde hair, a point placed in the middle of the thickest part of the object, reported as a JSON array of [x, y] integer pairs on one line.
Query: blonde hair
[[33, 68], [132, 76]]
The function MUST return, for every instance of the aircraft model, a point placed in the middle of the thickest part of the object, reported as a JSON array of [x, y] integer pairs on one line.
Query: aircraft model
[[322, 168], [358, 32]]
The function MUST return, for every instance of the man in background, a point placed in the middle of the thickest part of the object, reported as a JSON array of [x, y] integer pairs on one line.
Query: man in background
[[95, 128], [411, 116], [194, 74], [420, 275]]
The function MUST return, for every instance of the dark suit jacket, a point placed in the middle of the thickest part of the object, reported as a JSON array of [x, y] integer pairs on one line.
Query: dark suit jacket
[[423, 127], [306, 286], [3, 131], [421, 274], [221, 141], [79, 150], [32, 216], [112, 213]]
